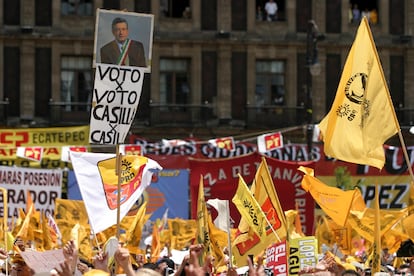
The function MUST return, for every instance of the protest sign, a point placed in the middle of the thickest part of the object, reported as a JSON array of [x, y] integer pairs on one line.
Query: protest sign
[[44, 186], [115, 101]]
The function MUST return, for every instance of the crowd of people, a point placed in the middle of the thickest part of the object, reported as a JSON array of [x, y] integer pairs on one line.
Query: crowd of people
[[195, 263]]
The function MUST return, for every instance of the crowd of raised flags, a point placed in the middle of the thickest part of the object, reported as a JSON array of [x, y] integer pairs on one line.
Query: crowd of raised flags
[[348, 234]]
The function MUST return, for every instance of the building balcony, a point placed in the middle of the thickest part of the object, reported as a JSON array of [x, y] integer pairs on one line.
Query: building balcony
[[183, 115]]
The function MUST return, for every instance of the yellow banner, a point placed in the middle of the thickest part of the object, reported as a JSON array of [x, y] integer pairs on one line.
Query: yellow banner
[[51, 139], [303, 253]]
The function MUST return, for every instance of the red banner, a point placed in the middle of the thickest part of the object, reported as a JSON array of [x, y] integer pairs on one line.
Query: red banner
[[221, 179]]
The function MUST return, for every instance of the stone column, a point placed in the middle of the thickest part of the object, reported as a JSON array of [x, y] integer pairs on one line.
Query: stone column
[[27, 92], [224, 82]]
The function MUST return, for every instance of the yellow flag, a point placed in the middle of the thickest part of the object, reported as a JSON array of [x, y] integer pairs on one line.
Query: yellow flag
[[364, 222], [335, 202], [291, 220], [203, 235], [219, 240], [247, 242], [134, 231], [323, 233], [24, 230], [155, 243], [50, 238], [266, 196], [249, 209], [19, 222], [362, 116], [182, 232]]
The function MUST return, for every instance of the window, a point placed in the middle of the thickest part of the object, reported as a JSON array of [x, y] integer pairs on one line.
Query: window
[[174, 81], [209, 15], [76, 83], [266, 10], [43, 12], [175, 8], [11, 76], [76, 7], [11, 12], [270, 82], [111, 4]]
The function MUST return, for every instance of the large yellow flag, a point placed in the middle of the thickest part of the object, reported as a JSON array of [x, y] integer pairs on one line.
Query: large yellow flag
[[203, 234], [266, 195], [335, 202], [247, 242], [249, 209], [362, 116]]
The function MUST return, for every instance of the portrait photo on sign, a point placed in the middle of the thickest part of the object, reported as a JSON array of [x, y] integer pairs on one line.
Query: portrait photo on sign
[[123, 38]]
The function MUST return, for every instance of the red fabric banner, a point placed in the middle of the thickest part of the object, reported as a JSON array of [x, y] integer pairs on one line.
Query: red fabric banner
[[221, 179]]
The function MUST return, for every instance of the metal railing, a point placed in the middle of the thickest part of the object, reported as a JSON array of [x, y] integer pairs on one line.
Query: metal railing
[[180, 114], [272, 116], [69, 113]]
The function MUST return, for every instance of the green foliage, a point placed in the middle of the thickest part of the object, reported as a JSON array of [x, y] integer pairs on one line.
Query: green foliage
[[343, 178]]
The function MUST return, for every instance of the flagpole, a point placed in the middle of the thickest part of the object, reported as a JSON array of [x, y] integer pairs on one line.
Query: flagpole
[[401, 138], [118, 172], [228, 234], [5, 228], [376, 254]]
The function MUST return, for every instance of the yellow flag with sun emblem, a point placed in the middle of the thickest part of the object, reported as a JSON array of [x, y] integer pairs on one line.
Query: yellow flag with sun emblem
[[362, 116], [203, 234]]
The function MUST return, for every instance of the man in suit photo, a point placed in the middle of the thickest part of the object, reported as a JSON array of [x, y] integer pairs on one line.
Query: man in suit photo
[[123, 50]]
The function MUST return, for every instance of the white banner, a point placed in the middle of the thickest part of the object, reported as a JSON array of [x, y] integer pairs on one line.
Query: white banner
[[98, 184], [115, 101], [44, 185]]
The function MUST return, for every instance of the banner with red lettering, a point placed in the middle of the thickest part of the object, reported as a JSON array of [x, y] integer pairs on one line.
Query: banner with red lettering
[[221, 179]]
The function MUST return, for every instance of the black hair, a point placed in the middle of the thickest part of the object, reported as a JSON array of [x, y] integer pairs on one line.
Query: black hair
[[150, 266], [119, 20], [350, 272]]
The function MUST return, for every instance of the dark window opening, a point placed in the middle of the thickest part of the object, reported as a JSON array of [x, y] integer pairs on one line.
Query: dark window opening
[[11, 12], [43, 12], [175, 82], [265, 10], [209, 15], [175, 9], [11, 76], [76, 7], [112, 4], [43, 82], [361, 8], [143, 6]]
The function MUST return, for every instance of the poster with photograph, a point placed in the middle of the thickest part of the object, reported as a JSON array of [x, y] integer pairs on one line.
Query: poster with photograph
[[123, 38]]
